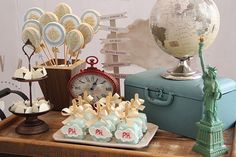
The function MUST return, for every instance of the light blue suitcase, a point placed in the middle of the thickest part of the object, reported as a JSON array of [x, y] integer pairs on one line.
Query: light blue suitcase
[[176, 106]]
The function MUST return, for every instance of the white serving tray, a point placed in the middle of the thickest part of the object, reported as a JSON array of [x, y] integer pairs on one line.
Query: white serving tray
[[151, 130]]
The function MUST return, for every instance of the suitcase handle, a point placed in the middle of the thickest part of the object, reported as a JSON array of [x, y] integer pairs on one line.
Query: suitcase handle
[[167, 102]]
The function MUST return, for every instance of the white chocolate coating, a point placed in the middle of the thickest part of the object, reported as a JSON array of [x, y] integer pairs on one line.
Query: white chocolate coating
[[62, 9], [74, 40], [33, 14], [32, 23], [47, 17], [92, 17], [33, 35], [54, 34], [70, 22], [87, 32]]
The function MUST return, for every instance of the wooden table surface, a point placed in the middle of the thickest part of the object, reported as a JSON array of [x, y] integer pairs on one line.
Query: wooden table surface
[[164, 144]]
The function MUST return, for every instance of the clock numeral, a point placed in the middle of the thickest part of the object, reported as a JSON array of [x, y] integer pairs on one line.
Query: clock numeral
[[108, 89], [77, 88], [92, 78], [87, 79], [81, 81], [103, 82]]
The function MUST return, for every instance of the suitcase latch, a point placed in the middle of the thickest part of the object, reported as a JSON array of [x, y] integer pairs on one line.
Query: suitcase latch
[[160, 93]]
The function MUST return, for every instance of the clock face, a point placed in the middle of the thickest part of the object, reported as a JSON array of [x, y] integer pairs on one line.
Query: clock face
[[96, 85]]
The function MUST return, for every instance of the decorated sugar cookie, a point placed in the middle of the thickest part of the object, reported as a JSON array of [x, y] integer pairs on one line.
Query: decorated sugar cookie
[[62, 9], [87, 32], [70, 22], [33, 35], [127, 134], [54, 34], [46, 18], [100, 132], [92, 17], [76, 128], [74, 40], [32, 23], [33, 14]]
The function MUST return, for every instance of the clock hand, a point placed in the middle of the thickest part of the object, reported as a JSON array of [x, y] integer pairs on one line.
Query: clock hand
[[94, 85]]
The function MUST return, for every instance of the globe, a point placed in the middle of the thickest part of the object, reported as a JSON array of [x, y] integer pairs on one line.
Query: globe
[[177, 25]]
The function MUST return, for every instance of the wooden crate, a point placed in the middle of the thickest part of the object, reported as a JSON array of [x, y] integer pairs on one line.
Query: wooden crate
[[54, 88]]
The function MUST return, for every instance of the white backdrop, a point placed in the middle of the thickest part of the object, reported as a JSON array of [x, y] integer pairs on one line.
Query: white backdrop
[[221, 53]]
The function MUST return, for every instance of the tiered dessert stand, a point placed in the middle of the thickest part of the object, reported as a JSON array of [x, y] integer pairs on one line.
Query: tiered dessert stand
[[31, 125]]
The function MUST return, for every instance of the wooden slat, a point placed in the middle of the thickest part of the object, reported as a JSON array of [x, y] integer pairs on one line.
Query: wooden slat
[[164, 144]]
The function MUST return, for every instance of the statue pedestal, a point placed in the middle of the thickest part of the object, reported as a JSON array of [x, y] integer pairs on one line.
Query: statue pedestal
[[210, 140]]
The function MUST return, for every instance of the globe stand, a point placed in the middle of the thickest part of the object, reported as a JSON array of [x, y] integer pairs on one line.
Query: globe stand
[[182, 71]]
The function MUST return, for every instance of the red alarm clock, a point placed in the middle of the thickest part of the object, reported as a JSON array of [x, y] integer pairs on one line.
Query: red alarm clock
[[96, 82]]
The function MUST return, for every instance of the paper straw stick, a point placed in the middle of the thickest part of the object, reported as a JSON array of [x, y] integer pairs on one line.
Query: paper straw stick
[[55, 54], [55, 51], [132, 103], [49, 52], [99, 111], [68, 62], [80, 100], [85, 95], [77, 56], [42, 46], [126, 110], [108, 105], [65, 54], [41, 57]]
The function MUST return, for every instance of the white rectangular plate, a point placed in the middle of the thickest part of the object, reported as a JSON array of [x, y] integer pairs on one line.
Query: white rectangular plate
[[151, 130]]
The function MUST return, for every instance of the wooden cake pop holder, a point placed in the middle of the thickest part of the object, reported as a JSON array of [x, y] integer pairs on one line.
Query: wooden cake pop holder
[[54, 88]]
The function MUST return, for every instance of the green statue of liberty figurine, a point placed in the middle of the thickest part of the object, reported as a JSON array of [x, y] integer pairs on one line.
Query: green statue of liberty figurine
[[209, 141], [211, 89]]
